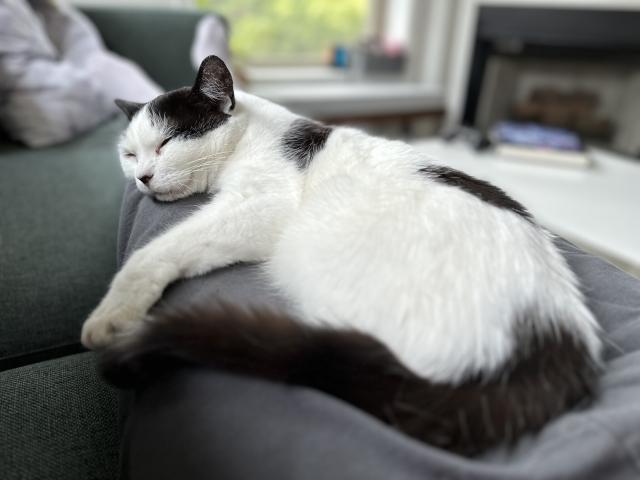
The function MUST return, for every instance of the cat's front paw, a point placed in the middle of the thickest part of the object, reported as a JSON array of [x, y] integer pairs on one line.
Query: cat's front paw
[[109, 320]]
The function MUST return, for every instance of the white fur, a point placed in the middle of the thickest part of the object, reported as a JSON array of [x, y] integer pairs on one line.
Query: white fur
[[359, 239]]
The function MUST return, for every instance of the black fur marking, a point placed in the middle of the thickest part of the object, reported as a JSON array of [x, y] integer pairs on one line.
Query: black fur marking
[[303, 140], [545, 376], [129, 108], [186, 115], [192, 112], [479, 188], [214, 81]]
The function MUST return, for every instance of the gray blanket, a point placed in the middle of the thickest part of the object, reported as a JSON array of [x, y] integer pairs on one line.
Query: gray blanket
[[263, 430]]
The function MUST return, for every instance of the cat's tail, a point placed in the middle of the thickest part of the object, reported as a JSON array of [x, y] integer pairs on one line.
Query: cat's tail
[[548, 377]]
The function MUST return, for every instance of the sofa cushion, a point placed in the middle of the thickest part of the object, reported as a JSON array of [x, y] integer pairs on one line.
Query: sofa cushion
[[58, 232], [59, 421], [159, 40]]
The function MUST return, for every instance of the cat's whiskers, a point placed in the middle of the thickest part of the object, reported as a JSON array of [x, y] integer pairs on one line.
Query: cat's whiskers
[[198, 165], [215, 154], [205, 157], [202, 162], [194, 170], [203, 166]]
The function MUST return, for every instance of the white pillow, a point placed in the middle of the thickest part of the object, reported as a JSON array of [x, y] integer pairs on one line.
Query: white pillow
[[57, 80]]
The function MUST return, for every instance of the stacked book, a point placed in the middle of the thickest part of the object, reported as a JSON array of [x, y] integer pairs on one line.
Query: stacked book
[[537, 143]]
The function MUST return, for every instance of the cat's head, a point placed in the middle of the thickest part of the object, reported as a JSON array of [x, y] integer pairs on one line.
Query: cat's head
[[174, 143]]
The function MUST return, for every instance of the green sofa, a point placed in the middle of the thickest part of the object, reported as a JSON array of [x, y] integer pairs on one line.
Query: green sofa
[[58, 226]]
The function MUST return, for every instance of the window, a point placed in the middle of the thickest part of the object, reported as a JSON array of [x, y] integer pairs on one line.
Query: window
[[290, 32]]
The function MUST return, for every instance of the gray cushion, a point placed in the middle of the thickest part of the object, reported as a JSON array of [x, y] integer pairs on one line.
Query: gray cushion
[[257, 429], [58, 420]]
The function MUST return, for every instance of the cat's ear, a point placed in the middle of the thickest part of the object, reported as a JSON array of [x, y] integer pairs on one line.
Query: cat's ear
[[129, 108], [215, 83]]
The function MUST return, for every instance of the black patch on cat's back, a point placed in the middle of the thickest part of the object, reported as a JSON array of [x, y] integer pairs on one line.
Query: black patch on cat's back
[[303, 140], [186, 115], [479, 188]]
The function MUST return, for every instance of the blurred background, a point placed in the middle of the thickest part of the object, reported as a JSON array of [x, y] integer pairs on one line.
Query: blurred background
[[563, 63], [540, 97]]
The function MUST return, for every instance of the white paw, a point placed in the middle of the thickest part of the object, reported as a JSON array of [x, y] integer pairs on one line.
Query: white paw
[[109, 320]]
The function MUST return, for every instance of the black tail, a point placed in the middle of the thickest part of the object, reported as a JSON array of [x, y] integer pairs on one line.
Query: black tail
[[552, 374]]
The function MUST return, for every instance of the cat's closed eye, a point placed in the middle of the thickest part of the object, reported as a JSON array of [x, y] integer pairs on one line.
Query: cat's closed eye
[[162, 144], [129, 155]]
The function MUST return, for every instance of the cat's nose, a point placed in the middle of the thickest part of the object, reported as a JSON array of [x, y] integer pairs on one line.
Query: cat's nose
[[145, 179]]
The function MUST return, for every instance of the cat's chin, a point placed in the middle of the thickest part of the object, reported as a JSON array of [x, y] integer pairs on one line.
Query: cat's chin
[[169, 196]]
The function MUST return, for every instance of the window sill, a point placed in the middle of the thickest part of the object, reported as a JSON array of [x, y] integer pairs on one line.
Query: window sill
[[307, 73], [351, 99]]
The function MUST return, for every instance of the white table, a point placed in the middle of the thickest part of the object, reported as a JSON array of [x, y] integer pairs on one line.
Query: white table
[[597, 208]]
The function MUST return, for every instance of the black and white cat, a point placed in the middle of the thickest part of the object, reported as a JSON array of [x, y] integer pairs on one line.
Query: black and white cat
[[424, 296]]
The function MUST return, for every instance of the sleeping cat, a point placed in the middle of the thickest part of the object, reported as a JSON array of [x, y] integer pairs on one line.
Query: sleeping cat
[[424, 296]]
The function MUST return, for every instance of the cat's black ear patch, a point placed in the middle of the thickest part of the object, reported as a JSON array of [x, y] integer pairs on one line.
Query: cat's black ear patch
[[214, 82], [129, 108]]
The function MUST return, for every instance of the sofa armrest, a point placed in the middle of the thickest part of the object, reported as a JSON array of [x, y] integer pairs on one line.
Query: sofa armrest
[[158, 40]]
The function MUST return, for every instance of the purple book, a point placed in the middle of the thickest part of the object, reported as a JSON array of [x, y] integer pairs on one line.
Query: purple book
[[536, 135]]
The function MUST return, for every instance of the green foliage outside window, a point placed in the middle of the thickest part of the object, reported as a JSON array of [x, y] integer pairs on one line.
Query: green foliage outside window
[[289, 31]]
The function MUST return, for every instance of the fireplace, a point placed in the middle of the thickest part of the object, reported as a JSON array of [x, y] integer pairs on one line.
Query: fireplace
[[573, 68]]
